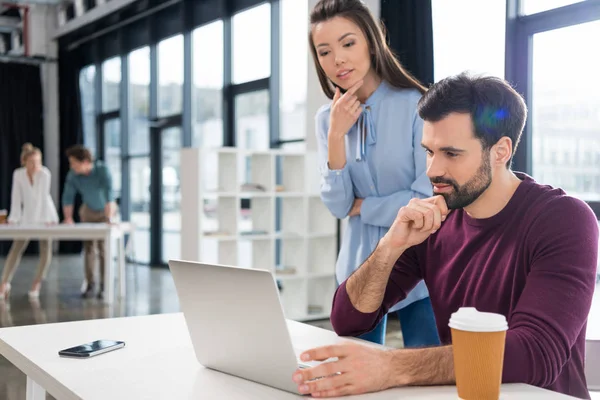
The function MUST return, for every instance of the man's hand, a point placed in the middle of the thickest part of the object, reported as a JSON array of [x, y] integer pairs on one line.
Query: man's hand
[[416, 221], [355, 210], [363, 369], [359, 369]]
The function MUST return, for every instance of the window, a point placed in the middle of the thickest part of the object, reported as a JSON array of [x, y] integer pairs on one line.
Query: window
[[87, 77], [171, 195], [111, 81], [556, 61], [537, 6], [252, 120], [207, 91], [251, 46], [139, 100], [293, 70], [170, 76], [112, 156], [468, 35], [139, 178]]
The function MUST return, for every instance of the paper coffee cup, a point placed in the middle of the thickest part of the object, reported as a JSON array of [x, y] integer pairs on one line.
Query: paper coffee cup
[[478, 340]]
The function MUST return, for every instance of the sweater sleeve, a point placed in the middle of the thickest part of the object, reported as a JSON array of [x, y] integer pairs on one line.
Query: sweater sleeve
[[348, 321], [108, 184], [337, 192], [556, 300], [69, 190]]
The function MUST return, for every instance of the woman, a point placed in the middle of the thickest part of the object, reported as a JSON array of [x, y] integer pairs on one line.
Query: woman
[[369, 141], [30, 204]]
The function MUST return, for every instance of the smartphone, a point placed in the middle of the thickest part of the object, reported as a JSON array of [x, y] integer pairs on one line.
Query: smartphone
[[92, 349]]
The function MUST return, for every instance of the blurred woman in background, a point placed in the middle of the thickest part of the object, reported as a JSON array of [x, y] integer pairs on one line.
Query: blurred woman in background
[[30, 204]]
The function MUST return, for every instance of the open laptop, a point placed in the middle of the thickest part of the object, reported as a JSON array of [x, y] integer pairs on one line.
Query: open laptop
[[236, 322]]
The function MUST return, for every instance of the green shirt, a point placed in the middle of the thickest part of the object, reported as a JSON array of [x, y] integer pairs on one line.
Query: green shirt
[[95, 188]]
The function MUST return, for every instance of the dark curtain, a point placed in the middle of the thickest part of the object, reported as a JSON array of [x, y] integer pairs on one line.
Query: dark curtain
[[410, 35], [21, 121], [71, 127]]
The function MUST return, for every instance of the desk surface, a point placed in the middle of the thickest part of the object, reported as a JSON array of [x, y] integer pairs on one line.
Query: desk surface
[[61, 227], [62, 231], [158, 362]]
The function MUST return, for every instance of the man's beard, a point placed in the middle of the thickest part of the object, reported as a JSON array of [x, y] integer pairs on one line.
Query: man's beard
[[465, 195]]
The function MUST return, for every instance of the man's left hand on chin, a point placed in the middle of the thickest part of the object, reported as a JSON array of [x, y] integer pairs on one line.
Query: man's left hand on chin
[[358, 369]]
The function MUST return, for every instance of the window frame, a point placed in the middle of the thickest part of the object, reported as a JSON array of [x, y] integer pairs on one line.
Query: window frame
[[519, 59]]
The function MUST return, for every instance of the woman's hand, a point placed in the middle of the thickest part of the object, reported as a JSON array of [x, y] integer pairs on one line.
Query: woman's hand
[[345, 110]]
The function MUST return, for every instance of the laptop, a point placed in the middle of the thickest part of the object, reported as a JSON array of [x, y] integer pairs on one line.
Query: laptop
[[236, 322]]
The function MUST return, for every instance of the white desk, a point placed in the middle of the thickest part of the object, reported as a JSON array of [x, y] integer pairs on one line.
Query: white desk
[[81, 231], [158, 362]]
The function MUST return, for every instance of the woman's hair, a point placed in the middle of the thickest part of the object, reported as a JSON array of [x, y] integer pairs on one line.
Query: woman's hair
[[383, 61], [28, 150]]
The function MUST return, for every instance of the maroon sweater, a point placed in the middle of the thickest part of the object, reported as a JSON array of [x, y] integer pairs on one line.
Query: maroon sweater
[[534, 262]]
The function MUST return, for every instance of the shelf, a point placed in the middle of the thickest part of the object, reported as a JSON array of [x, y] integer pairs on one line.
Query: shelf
[[293, 296], [285, 277], [320, 295], [227, 181], [256, 169], [259, 218], [220, 238], [259, 254], [231, 199], [293, 216], [320, 275], [320, 219], [293, 255], [250, 195], [285, 194], [321, 255], [292, 177], [220, 194]]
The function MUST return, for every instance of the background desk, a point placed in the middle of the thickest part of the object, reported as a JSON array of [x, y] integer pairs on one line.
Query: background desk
[[158, 362], [111, 234]]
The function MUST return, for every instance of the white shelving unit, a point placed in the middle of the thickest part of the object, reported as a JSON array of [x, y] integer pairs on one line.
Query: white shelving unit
[[229, 201]]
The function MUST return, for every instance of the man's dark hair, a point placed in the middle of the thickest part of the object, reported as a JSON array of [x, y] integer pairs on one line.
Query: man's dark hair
[[80, 153], [496, 109]]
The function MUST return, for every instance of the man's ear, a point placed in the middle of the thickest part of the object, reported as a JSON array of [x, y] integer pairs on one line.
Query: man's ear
[[502, 151]]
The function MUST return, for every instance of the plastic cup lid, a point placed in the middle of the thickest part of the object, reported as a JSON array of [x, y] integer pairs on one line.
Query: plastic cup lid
[[470, 320]]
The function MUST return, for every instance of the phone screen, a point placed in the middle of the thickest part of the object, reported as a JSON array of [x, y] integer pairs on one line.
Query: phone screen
[[92, 348]]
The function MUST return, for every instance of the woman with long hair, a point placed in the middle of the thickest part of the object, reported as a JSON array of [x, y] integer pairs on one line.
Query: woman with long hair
[[30, 204], [369, 140]]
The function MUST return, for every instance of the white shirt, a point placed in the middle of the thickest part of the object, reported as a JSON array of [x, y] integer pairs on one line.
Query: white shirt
[[31, 202]]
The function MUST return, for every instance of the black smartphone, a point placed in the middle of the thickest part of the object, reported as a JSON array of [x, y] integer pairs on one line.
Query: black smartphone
[[92, 349]]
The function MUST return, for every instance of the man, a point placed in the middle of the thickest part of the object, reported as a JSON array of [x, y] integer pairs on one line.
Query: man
[[490, 238], [92, 179]]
